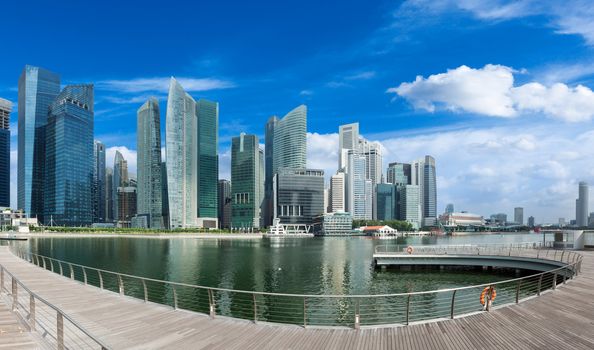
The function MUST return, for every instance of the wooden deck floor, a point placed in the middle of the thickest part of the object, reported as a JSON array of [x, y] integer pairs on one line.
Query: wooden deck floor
[[13, 334], [562, 319]]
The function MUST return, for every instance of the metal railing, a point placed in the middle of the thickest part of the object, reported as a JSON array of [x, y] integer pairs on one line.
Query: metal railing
[[54, 326], [322, 310]]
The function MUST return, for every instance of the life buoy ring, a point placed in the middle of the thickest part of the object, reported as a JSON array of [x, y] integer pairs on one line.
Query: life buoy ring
[[486, 292], [409, 249]]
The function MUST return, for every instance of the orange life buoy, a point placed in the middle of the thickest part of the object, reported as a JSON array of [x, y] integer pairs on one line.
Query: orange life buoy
[[409, 249], [485, 293]]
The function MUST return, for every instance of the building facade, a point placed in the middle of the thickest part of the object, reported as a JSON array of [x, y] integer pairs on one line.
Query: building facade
[[531, 221], [268, 211], [109, 195], [410, 206], [5, 109], [99, 199], [224, 204], [581, 207], [148, 163], [519, 215], [247, 177], [298, 195], [387, 199], [333, 224], [126, 205], [38, 88], [69, 159], [399, 173], [348, 139], [207, 114], [120, 179], [337, 191], [290, 140], [358, 191]]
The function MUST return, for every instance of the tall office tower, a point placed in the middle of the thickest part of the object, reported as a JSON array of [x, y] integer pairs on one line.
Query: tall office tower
[[120, 179], [38, 88], [127, 205], [207, 113], [348, 138], [149, 201], [519, 215], [69, 158], [224, 203], [99, 182], [247, 180], [358, 188], [164, 196], [298, 195], [109, 195], [373, 166], [399, 173], [410, 206], [387, 197], [5, 109], [268, 211], [290, 140], [449, 208], [423, 175], [337, 191], [531, 221], [581, 211]]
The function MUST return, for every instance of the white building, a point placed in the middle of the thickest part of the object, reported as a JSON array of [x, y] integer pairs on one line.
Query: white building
[[337, 192], [462, 219], [358, 188], [348, 138]]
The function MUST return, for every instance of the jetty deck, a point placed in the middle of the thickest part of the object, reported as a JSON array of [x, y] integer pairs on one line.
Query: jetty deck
[[561, 319]]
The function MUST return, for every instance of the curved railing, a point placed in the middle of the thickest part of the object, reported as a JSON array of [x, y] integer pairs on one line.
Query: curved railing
[[324, 310], [55, 327]]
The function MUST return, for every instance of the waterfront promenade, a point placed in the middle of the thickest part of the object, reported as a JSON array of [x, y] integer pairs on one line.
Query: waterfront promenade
[[559, 319]]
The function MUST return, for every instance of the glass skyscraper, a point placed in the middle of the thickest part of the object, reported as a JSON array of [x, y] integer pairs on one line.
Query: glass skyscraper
[[5, 109], [99, 183], [120, 179], [387, 201], [38, 88], [109, 195], [224, 203], [290, 140], [148, 134], [299, 195], [247, 179], [207, 113], [429, 191], [268, 211], [69, 158]]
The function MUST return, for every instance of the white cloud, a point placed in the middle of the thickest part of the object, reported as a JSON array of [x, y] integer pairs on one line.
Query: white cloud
[[322, 152], [161, 84], [361, 76], [128, 154], [305, 93], [490, 91]]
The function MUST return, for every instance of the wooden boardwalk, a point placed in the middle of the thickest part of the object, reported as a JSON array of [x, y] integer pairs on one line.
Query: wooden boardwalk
[[13, 334], [562, 319]]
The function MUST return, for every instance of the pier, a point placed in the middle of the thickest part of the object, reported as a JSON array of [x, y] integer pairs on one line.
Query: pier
[[57, 310]]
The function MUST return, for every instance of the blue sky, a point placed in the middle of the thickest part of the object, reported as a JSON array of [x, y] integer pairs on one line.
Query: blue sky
[[503, 96]]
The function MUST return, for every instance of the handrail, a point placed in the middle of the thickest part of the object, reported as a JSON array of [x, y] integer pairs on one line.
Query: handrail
[[566, 271], [60, 312]]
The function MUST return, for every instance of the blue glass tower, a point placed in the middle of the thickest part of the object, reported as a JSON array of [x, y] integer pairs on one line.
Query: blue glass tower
[[69, 158], [5, 108], [38, 88]]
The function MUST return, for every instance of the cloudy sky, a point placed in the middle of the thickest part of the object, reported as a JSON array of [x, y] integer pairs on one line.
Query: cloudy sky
[[499, 92]]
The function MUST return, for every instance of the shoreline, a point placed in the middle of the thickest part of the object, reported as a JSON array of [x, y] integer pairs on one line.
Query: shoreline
[[142, 235]]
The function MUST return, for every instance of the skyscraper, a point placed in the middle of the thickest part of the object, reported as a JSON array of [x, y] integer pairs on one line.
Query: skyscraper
[[148, 136], [373, 166], [109, 195], [531, 221], [99, 182], [164, 196], [399, 173], [581, 208], [127, 209], [120, 179], [387, 201], [247, 179], [207, 113], [5, 109], [519, 215], [449, 208], [290, 140], [38, 88], [268, 211], [298, 195], [69, 158], [224, 203], [424, 175], [348, 138], [358, 188], [337, 200], [410, 207]]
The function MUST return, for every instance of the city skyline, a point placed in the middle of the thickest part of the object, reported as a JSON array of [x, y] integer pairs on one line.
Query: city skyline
[[471, 142]]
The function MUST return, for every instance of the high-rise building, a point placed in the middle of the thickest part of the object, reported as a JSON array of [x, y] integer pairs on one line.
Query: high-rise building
[[337, 191], [268, 211], [207, 113], [499, 219], [99, 182], [298, 195], [148, 145], [581, 207], [424, 175], [519, 215], [290, 140], [373, 160], [164, 196], [5, 109], [127, 201], [224, 203], [120, 179], [358, 188], [109, 195], [69, 159], [449, 208], [387, 197], [399, 173], [247, 179], [531, 221], [348, 139], [410, 206], [38, 88]]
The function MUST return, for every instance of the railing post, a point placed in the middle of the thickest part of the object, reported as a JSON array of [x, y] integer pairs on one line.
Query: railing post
[[71, 272], [100, 280], [32, 311], [555, 280], [84, 274], [145, 291], [211, 304], [61, 270], [51, 263], [555, 256], [121, 284], [407, 308], [565, 276], [452, 307], [518, 291], [14, 294], [255, 308], [538, 253], [60, 331], [174, 299], [357, 316], [562, 253], [44, 264], [539, 283], [304, 312]]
